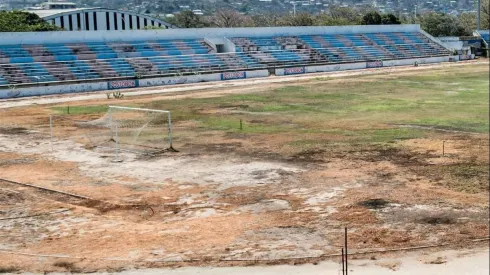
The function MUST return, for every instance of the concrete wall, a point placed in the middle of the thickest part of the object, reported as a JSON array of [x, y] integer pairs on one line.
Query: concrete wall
[[434, 39], [132, 35], [364, 65], [428, 60], [122, 84], [321, 68], [453, 43]]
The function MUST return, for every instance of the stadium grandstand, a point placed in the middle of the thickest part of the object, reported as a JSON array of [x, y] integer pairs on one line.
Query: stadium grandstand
[[70, 62], [484, 35]]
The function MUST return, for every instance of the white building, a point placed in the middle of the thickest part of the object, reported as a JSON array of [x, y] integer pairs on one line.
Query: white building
[[67, 16]]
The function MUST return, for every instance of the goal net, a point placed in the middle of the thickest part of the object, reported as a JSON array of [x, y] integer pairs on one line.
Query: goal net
[[138, 130]]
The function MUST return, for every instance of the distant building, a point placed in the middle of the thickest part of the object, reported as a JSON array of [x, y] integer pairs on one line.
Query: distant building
[[66, 15]]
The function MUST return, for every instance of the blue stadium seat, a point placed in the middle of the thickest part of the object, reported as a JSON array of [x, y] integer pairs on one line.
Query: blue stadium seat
[[36, 72], [3, 81]]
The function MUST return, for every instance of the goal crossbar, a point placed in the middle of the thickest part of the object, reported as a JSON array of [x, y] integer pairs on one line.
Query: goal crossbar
[[138, 109]]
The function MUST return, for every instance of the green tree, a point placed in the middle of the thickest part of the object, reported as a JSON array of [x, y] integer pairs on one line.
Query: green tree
[[485, 15], [187, 19], [344, 14], [266, 20], [325, 19], [390, 19], [21, 21], [300, 19], [228, 18], [468, 22], [440, 24], [371, 18]]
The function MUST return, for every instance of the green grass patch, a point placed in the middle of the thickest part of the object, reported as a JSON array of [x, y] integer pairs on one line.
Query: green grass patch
[[81, 110], [462, 177], [233, 125], [359, 108], [477, 125]]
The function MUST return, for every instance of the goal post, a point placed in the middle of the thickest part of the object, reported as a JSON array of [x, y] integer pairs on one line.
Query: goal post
[[169, 116], [137, 130]]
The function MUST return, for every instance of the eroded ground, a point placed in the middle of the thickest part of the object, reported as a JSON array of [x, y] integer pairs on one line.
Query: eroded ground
[[363, 153]]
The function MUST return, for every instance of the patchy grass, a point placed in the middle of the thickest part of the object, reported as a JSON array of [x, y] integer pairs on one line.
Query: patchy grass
[[8, 269], [80, 110], [365, 108], [66, 265]]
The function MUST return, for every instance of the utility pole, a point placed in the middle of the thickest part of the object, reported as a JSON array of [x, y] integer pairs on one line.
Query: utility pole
[[479, 11], [294, 8]]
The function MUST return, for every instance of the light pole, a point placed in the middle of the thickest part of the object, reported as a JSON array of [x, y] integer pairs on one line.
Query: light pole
[[294, 8], [479, 11]]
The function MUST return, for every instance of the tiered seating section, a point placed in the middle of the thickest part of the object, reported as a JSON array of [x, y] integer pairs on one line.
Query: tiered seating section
[[62, 62], [21, 64], [339, 48], [485, 36]]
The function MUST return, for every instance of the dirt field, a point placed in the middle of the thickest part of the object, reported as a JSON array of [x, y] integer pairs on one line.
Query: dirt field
[[313, 156]]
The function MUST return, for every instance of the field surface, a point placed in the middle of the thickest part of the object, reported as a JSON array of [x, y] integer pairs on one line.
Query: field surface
[[264, 173]]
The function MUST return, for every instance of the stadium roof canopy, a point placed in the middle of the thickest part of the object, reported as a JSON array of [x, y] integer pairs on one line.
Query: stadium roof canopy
[[94, 19]]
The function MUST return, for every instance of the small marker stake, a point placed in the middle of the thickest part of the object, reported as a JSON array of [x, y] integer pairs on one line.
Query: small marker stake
[[443, 147], [68, 109], [241, 125]]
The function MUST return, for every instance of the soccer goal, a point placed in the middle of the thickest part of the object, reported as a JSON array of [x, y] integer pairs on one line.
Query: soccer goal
[[137, 130]]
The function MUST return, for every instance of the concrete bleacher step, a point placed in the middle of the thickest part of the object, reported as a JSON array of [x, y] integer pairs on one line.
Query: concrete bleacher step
[[231, 60], [13, 74], [143, 66], [39, 53], [122, 47], [263, 57], [59, 71], [80, 49], [102, 68]]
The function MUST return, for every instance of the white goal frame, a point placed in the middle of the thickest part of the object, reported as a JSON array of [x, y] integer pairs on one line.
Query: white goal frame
[[114, 127], [111, 107]]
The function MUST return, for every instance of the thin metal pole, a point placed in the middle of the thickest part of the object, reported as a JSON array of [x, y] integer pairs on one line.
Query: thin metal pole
[[110, 122], [443, 142], [170, 129], [117, 142], [346, 254], [479, 14], [51, 131], [343, 268]]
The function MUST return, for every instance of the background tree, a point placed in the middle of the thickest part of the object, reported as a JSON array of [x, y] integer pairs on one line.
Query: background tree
[[300, 19], [339, 16], [20, 21], [390, 19], [187, 19], [345, 13], [371, 18], [439, 24], [468, 22], [485, 14], [227, 18], [266, 20]]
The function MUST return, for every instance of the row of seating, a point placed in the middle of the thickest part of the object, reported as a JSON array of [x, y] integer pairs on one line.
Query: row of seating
[[485, 36], [35, 72], [79, 61], [244, 44], [86, 51]]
